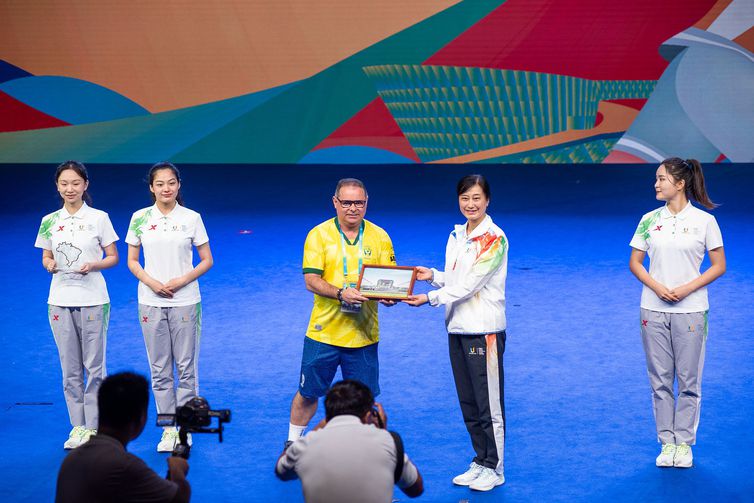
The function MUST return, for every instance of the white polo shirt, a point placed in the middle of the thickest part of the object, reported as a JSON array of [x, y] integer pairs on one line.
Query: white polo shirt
[[676, 245], [167, 241], [75, 240]]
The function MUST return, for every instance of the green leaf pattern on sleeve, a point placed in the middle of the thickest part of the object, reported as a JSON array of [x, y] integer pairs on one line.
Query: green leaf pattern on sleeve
[[491, 252], [45, 230], [644, 226], [139, 222]]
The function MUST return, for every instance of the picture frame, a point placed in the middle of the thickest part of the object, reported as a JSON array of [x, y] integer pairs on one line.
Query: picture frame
[[387, 282]]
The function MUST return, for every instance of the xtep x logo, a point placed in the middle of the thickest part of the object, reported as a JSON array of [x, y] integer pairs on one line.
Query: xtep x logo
[[144, 319], [153, 227], [60, 228], [658, 228], [55, 317], [644, 323]]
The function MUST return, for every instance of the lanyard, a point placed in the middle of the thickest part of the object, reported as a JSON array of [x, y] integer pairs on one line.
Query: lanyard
[[343, 247]]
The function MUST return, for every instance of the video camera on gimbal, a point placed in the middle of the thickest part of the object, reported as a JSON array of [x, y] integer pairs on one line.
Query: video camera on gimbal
[[194, 416]]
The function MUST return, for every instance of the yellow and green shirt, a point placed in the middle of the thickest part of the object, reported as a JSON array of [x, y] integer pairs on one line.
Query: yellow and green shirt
[[323, 255]]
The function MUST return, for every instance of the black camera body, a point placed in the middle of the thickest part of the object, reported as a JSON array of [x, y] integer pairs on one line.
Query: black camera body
[[195, 416]]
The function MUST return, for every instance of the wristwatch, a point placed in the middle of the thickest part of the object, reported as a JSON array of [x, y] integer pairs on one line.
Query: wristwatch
[[340, 294]]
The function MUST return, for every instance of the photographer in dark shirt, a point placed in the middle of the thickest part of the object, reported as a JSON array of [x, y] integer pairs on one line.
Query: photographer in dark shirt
[[102, 470]]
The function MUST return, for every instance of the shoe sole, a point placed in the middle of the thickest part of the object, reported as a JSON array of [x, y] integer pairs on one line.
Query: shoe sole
[[683, 466], [484, 489], [463, 484]]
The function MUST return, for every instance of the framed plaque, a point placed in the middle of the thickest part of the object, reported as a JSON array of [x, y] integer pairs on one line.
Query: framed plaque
[[386, 281]]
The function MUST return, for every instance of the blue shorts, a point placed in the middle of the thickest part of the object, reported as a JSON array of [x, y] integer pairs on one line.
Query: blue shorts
[[320, 362]]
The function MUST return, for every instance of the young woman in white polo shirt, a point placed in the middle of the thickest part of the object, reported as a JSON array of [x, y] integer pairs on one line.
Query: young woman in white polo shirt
[[472, 289], [170, 311], [674, 304], [72, 240]]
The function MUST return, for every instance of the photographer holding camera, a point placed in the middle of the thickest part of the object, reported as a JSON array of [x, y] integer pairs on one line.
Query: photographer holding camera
[[101, 470], [350, 455]]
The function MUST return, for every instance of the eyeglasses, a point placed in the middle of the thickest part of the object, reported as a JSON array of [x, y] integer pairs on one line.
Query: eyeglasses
[[347, 204]]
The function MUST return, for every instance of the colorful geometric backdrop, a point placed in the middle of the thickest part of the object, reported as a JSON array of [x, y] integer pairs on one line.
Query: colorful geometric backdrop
[[346, 81]]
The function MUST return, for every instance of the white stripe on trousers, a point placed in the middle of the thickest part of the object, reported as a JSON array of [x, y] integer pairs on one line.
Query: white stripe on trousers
[[493, 391]]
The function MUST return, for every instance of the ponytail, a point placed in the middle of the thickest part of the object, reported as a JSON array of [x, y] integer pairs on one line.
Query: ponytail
[[696, 188], [690, 171]]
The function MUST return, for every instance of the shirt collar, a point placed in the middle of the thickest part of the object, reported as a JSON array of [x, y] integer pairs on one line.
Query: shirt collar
[[356, 239], [681, 215], [81, 213], [480, 229], [342, 420], [173, 213]]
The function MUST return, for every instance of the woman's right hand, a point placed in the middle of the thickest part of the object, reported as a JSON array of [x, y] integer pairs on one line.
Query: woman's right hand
[[423, 273], [52, 266], [665, 293], [417, 300]]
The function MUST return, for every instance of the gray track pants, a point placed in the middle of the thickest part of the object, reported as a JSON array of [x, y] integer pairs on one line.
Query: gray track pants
[[171, 336], [81, 336], [674, 347]]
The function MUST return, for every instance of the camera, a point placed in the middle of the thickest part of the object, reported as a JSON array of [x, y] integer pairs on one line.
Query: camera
[[195, 416]]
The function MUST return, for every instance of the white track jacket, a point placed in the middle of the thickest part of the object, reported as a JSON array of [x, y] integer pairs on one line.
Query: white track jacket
[[472, 287]]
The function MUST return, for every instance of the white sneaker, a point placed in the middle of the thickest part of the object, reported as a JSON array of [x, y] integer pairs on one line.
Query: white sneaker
[[683, 457], [488, 479], [168, 441], [469, 475], [666, 456], [75, 438], [87, 434]]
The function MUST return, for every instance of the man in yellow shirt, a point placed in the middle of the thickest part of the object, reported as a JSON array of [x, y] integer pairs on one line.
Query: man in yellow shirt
[[343, 328]]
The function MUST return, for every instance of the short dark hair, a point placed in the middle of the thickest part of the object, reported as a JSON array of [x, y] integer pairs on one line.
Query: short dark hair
[[122, 399], [469, 181], [353, 182], [349, 397]]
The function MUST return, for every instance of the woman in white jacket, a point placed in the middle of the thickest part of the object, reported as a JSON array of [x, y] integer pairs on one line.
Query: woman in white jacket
[[472, 289]]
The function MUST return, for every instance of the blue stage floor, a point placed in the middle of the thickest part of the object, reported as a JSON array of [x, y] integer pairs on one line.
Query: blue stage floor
[[580, 425]]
